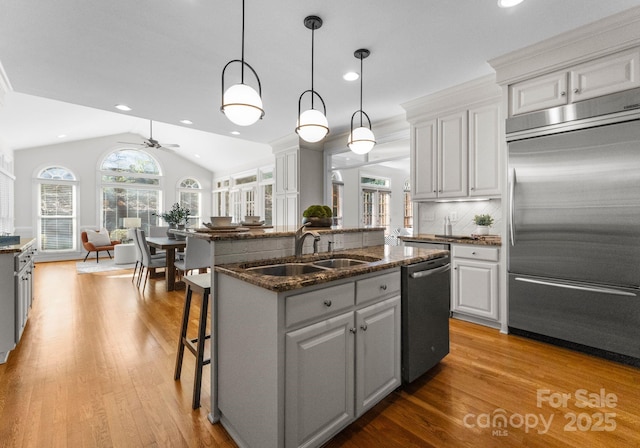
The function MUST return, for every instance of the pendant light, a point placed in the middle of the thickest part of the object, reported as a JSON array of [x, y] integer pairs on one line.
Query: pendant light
[[361, 139], [241, 103], [312, 123]]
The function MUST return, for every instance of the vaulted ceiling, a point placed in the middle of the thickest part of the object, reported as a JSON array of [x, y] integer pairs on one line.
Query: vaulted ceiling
[[164, 59]]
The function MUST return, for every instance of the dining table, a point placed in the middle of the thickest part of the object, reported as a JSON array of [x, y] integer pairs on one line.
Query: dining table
[[170, 246]]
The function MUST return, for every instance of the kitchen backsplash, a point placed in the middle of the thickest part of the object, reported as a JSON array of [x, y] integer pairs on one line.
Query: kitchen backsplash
[[432, 215]]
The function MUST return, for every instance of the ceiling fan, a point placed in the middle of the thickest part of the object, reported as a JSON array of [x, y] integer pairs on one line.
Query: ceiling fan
[[152, 143]]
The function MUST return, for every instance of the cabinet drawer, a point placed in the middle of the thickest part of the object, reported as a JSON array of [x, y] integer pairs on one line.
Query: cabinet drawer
[[476, 253], [318, 304], [376, 287]]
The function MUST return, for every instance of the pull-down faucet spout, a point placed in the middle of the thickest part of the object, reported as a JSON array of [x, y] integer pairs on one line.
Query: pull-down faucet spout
[[301, 234]]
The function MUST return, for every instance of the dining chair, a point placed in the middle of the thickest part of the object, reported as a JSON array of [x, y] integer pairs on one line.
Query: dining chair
[[148, 261], [136, 242], [197, 255]]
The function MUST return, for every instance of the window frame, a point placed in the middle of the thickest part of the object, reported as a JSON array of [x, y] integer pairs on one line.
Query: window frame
[[39, 181]]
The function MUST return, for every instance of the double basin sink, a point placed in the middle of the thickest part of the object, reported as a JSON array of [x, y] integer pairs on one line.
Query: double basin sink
[[298, 268]]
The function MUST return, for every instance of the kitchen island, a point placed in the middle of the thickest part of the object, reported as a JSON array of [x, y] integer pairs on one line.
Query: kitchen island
[[300, 357]]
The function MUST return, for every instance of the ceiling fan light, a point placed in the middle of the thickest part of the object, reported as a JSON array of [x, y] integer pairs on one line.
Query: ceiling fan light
[[242, 105], [312, 126], [361, 140], [508, 3]]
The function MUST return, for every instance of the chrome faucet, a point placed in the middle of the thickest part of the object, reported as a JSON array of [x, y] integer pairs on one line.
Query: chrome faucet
[[301, 234]]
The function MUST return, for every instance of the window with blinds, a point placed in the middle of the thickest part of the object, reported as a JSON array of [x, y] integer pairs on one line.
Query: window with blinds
[[57, 220]]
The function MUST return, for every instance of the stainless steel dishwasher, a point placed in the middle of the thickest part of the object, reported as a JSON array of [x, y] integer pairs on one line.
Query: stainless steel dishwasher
[[425, 316]]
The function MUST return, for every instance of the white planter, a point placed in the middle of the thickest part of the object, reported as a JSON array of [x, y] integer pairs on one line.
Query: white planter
[[482, 230]]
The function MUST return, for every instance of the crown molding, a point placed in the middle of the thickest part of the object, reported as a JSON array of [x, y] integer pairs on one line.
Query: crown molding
[[609, 35]]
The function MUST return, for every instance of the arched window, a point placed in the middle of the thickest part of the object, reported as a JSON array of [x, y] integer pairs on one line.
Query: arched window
[[190, 194], [57, 220], [337, 197], [130, 182]]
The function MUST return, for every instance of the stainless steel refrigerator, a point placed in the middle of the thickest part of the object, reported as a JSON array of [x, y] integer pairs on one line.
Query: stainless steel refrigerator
[[574, 225]]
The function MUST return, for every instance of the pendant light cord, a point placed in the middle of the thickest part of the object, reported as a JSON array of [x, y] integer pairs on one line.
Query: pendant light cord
[[242, 54], [313, 29], [361, 76]]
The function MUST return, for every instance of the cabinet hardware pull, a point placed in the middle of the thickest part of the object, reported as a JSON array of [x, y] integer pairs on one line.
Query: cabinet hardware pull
[[473, 253], [563, 93], [576, 90], [383, 287], [353, 330], [363, 327], [327, 302]]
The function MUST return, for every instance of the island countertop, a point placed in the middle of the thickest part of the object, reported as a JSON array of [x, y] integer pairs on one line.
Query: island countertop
[[16, 248], [386, 257], [265, 232]]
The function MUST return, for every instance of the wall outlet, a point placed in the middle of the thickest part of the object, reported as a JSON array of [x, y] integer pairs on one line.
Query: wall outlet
[[453, 216]]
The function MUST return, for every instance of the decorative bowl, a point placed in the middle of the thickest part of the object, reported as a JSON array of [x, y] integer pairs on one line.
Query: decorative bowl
[[251, 219], [318, 222], [221, 221]]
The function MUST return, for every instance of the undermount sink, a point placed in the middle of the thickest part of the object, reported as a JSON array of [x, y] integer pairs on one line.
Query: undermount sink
[[336, 263], [286, 269]]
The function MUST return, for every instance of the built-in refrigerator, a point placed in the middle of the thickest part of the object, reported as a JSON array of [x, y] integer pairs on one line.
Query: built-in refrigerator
[[574, 225]]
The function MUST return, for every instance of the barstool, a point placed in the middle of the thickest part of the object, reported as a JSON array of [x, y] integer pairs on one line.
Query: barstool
[[201, 284]]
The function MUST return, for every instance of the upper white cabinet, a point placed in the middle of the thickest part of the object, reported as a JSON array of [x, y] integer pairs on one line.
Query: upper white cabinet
[[610, 74], [456, 137]]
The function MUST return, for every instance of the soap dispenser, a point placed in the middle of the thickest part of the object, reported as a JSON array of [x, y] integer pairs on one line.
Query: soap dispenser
[[448, 229]]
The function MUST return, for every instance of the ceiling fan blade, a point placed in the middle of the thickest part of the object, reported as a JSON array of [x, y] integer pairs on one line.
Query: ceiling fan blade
[[131, 143], [170, 145]]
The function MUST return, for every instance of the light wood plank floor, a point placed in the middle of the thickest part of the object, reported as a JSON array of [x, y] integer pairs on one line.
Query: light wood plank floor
[[95, 369]]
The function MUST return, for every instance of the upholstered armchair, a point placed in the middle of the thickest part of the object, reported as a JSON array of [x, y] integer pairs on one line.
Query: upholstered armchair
[[97, 241]]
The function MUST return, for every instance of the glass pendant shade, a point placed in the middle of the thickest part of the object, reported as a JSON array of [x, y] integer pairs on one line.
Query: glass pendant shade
[[312, 126], [361, 140], [242, 105]]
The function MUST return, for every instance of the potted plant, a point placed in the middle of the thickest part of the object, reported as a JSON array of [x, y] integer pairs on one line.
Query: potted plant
[[318, 216], [176, 217], [483, 222]]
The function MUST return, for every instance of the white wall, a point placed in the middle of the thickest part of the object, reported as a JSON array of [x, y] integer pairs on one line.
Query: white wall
[[83, 159]]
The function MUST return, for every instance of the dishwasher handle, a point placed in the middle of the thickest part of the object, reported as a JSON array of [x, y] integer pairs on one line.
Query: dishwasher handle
[[427, 272]]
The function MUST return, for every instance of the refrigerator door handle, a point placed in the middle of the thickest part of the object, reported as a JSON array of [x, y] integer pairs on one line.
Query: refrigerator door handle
[[611, 291], [427, 272], [512, 191]]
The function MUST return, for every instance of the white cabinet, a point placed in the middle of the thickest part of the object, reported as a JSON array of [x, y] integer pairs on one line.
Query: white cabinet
[[313, 359], [320, 380], [377, 353], [286, 189], [485, 140], [338, 368], [440, 157], [614, 73], [16, 295], [474, 282], [457, 155]]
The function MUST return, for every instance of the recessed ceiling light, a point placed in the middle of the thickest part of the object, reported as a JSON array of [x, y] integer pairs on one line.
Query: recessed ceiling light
[[508, 3], [123, 107], [186, 121], [62, 135], [235, 132], [197, 156], [350, 76]]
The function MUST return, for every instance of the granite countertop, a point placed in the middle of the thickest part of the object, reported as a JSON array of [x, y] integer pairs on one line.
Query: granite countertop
[[15, 248], [266, 232], [478, 240], [386, 257]]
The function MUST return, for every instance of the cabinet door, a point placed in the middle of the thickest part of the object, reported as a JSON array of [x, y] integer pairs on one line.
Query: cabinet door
[[378, 370], [607, 75], [484, 150], [281, 174], [539, 93], [453, 154], [319, 380], [424, 161], [475, 288]]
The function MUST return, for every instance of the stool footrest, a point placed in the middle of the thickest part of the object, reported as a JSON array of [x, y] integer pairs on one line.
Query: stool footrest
[[191, 344]]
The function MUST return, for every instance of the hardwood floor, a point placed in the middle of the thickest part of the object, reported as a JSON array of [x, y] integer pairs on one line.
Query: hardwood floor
[[95, 369]]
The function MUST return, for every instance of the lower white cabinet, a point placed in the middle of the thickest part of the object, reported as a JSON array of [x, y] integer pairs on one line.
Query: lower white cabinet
[[474, 282], [295, 368]]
